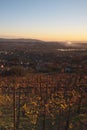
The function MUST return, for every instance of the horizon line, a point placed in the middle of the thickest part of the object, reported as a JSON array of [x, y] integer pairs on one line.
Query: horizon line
[[15, 38]]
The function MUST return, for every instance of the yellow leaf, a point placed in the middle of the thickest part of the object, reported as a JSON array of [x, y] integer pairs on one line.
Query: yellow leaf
[[25, 106], [70, 126]]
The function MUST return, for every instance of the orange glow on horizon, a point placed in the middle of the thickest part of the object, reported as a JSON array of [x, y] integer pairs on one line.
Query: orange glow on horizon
[[48, 37]]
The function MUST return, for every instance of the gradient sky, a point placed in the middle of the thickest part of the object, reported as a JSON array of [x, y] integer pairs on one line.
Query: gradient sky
[[44, 19]]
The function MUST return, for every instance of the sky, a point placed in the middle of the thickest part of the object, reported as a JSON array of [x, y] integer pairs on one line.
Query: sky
[[54, 20]]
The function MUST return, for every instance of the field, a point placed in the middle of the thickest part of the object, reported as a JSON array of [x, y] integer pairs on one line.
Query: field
[[44, 102]]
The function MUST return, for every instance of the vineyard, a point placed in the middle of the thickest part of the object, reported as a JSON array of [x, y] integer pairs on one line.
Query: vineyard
[[43, 102]]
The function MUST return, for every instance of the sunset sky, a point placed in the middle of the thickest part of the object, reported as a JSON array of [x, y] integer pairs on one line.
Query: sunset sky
[[57, 20]]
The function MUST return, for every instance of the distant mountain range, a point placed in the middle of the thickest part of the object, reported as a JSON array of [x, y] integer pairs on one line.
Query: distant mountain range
[[39, 43], [19, 40]]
